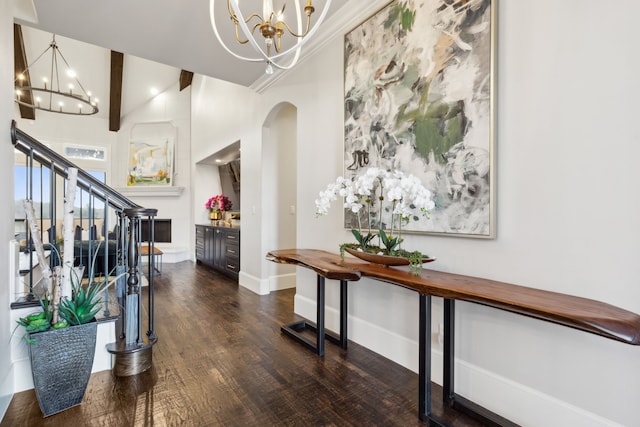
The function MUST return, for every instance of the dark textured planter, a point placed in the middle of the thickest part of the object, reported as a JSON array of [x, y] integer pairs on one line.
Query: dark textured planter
[[61, 362]]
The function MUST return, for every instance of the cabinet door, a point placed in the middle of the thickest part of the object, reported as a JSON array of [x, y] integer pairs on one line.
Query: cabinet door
[[208, 244], [232, 253], [200, 254], [219, 249]]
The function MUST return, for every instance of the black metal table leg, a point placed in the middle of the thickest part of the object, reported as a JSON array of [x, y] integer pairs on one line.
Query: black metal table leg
[[448, 352], [424, 358], [320, 317], [424, 364], [343, 313], [449, 396], [294, 330]]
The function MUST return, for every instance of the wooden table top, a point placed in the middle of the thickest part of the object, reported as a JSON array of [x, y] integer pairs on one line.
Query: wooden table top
[[580, 313], [144, 250]]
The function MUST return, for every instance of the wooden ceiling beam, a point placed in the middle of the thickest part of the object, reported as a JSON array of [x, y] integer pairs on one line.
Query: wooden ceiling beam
[[185, 79], [20, 67], [115, 92]]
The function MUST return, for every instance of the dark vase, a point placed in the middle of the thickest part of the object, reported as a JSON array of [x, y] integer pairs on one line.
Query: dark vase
[[61, 362]]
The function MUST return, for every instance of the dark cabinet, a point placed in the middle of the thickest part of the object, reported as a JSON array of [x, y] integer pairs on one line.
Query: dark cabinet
[[232, 251], [219, 248]]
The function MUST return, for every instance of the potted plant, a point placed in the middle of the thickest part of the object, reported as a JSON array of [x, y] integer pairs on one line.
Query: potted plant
[[62, 343], [61, 337], [366, 196]]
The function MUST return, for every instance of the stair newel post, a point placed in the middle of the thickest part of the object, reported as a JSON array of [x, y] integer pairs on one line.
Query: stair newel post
[[133, 354], [132, 321], [139, 274], [105, 236], [151, 276], [121, 282], [133, 310]]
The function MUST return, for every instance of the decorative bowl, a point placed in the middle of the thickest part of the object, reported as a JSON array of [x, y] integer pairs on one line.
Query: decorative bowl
[[382, 259]]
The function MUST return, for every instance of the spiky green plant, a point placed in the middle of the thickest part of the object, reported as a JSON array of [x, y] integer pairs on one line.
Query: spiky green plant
[[83, 305], [42, 321], [390, 242], [81, 308]]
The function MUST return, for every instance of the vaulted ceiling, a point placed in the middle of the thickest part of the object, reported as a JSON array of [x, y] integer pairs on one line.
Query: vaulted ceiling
[[159, 41], [95, 67], [177, 33]]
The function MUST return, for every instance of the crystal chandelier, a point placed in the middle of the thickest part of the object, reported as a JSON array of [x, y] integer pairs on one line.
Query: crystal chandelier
[[273, 27], [52, 96]]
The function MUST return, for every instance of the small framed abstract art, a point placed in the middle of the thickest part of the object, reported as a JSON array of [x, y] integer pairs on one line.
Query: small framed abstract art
[[151, 150], [419, 97]]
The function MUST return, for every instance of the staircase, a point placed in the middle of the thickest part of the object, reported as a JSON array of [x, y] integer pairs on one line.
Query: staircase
[[109, 227]]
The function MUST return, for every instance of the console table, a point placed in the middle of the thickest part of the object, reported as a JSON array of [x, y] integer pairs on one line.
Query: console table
[[576, 312]]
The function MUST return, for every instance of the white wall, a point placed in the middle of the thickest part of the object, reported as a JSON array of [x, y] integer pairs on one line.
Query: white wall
[[60, 129], [222, 114], [567, 207], [6, 209], [169, 110]]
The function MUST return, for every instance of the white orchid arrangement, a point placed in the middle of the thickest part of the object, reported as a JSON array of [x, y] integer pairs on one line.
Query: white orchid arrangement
[[405, 195]]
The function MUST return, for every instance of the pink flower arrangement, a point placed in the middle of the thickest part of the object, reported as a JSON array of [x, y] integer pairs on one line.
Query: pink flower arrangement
[[219, 202]]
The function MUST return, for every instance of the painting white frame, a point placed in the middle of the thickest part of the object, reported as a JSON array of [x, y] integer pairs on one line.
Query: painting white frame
[[151, 155]]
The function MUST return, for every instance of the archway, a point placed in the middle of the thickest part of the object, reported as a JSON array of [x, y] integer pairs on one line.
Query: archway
[[279, 190]]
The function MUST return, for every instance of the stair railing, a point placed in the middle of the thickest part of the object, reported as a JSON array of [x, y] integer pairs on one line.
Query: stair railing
[[120, 248]]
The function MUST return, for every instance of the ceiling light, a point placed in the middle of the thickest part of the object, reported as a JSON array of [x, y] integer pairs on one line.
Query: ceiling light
[[154, 91], [272, 26], [53, 96]]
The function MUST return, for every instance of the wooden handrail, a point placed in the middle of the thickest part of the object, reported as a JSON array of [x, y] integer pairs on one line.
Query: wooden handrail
[[580, 313]]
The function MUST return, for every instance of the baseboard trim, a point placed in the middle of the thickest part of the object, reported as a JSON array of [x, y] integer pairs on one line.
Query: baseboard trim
[[254, 284], [173, 254], [6, 391], [282, 281]]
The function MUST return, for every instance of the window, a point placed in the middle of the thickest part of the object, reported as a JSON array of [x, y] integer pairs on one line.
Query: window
[[40, 194], [85, 152], [84, 204]]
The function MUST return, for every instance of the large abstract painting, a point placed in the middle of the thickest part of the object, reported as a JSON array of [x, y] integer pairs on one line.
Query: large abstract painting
[[419, 98]]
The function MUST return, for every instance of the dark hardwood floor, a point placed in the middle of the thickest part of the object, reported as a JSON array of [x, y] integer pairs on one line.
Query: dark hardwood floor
[[221, 360]]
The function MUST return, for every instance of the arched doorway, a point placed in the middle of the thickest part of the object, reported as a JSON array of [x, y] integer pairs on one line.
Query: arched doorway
[[279, 190]]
